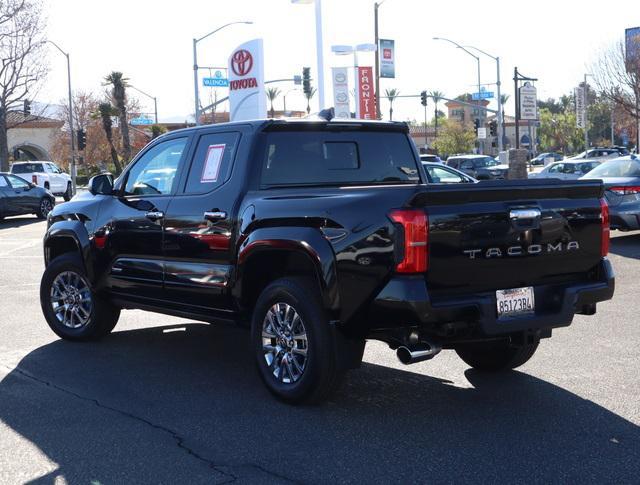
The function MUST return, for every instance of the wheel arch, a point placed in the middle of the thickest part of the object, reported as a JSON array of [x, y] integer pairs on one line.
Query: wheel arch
[[65, 237], [271, 253]]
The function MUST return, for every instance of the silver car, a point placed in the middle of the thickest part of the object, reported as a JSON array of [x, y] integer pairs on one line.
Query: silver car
[[566, 169]]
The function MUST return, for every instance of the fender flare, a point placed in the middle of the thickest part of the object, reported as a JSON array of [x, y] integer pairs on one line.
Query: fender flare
[[304, 240], [71, 229]]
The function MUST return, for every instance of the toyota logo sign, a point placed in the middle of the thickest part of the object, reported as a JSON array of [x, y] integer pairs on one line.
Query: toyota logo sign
[[241, 62]]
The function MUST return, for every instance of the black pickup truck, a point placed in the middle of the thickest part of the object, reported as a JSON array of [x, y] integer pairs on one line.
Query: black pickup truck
[[320, 235]]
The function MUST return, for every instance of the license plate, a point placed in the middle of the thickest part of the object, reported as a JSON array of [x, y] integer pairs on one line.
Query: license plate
[[515, 301]]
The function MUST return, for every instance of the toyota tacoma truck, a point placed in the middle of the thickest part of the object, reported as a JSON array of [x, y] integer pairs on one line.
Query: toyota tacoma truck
[[320, 235]]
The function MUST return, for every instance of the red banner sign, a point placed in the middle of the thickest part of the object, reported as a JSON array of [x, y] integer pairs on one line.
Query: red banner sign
[[366, 97]]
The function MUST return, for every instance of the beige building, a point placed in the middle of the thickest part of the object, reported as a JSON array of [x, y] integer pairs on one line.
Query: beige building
[[31, 137]]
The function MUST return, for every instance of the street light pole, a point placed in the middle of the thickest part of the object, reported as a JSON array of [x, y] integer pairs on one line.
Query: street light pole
[[155, 101], [195, 66], [73, 142], [586, 118]]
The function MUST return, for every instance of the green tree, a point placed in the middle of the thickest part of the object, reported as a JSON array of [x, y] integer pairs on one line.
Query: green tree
[[391, 95], [119, 84], [436, 96], [272, 94], [454, 138], [157, 130], [558, 132], [105, 112]]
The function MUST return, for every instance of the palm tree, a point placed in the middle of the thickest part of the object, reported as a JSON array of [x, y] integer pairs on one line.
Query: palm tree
[[309, 95], [436, 96], [272, 94], [391, 95], [105, 112], [119, 84]]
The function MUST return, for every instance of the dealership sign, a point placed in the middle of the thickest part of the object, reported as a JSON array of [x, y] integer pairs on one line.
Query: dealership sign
[[387, 53], [366, 107], [528, 102], [340, 79], [247, 98]]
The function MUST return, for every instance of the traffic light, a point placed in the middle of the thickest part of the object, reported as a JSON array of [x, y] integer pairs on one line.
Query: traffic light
[[26, 107], [493, 128], [423, 98], [306, 81], [82, 139], [476, 124]]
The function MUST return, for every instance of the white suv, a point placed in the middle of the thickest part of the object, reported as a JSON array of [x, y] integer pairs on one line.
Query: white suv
[[45, 174]]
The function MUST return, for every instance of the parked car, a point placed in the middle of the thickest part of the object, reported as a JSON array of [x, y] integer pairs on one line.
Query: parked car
[[480, 167], [438, 173], [319, 236], [621, 178], [566, 170], [540, 159], [597, 154], [18, 197], [46, 175], [428, 157]]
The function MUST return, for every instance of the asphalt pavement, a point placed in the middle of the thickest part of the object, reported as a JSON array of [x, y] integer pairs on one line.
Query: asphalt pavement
[[167, 400]]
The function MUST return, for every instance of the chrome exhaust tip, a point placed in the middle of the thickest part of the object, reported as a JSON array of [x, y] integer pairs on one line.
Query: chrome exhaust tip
[[417, 353]]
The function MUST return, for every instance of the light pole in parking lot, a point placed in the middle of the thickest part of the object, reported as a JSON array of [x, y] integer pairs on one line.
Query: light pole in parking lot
[[71, 133], [478, 62], [195, 65]]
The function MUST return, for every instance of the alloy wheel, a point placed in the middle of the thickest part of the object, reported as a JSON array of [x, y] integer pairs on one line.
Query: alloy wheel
[[45, 207], [284, 343], [71, 300]]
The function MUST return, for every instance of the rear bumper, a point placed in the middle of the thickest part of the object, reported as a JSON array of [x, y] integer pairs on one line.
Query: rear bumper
[[624, 220], [405, 302]]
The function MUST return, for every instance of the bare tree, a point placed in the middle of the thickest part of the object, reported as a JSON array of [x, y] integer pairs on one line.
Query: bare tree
[[22, 63], [618, 80]]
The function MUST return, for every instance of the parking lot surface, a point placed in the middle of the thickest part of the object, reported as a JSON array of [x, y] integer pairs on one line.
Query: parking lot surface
[[165, 400]]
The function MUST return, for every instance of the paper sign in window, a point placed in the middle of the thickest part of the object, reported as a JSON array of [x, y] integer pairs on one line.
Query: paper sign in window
[[212, 163]]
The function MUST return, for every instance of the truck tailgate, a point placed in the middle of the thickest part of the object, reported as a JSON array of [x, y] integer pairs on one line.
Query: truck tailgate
[[510, 234]]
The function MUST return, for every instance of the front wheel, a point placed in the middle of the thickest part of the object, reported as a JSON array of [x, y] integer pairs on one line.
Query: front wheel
[[291, 339], [496, 356], [44, 207], [68, 194], [71, 307]]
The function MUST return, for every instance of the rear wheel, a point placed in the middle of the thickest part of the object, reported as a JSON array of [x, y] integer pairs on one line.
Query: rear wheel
[[291, 339], [44, 208], [68, 194], [71, 307], [496, 356]]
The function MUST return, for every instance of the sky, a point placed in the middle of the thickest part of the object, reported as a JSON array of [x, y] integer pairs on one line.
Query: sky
[[151, 43]]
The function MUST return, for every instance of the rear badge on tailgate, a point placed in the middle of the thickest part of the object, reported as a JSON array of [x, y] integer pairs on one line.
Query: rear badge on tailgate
[[521, 250]]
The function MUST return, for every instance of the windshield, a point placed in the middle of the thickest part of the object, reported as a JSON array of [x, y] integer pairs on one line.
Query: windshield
[[617, 168]]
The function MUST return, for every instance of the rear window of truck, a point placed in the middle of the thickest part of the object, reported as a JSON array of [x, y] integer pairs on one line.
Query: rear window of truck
[[27, 168], [338, 158]]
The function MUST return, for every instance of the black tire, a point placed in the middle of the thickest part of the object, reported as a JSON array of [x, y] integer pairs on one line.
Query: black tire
[[68, 194], [320, 375], [496, 356], [102, 315], [44, 207]]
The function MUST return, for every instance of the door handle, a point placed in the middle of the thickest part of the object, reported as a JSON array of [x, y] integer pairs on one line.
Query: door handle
[[215, 215], [154, 215]]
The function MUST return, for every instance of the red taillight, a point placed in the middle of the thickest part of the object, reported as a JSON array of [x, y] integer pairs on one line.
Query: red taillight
[[625, 190], [416, 229], [606, 231], [34, 179]]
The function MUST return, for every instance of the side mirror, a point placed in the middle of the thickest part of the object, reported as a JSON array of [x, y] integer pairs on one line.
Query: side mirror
[[101, 184]]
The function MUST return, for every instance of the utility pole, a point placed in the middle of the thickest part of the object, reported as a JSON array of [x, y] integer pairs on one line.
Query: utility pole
[[586, 118]]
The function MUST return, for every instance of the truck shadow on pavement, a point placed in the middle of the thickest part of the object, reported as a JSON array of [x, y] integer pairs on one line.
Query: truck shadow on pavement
[[627, 245], [18, 222], [184, 404]]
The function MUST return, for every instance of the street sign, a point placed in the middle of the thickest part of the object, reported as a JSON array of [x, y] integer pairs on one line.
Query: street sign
[[482, 95], [141, 120], [581, 121], [528, 102], [482, 133], [387, 53], [217, 81], [297, 80]]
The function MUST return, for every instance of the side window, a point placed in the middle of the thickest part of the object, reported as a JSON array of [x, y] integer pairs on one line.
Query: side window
[[467, 165], [3, 182], [557, 168], [212, 161], [443, 176], [569, 168], [17, 182], [155, 172]]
